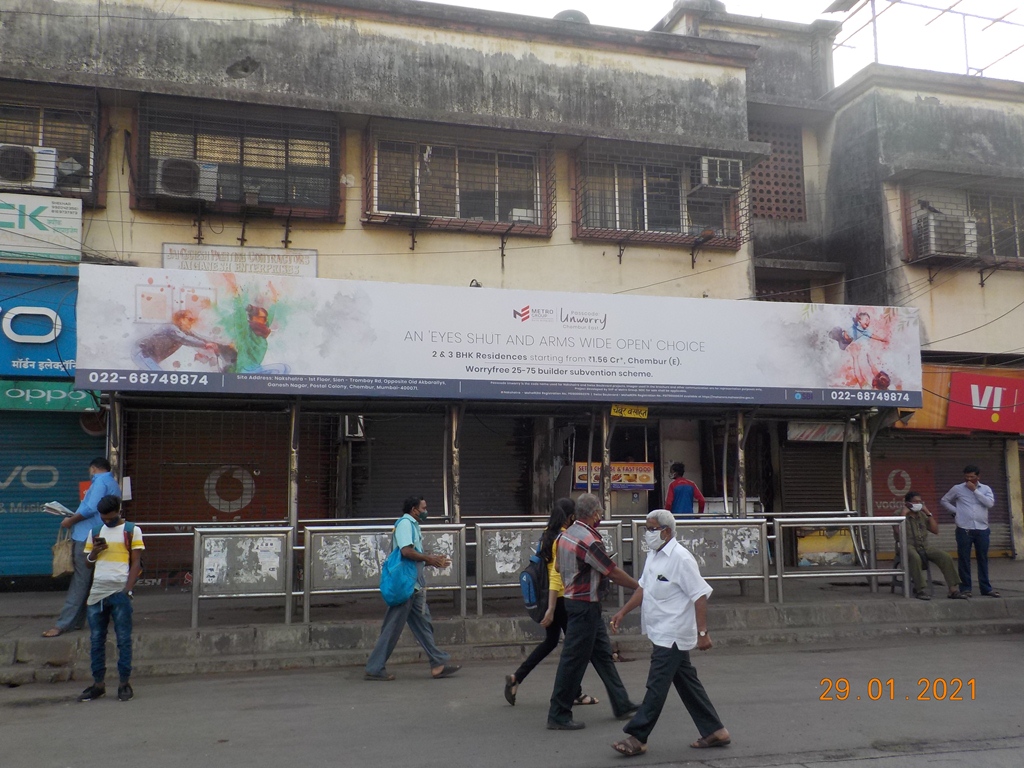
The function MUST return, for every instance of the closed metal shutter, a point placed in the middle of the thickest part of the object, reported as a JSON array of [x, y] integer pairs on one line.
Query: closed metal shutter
[[496, 456], [946, 456], [402, 455], [202, 466], [812, 477], [44, 457]]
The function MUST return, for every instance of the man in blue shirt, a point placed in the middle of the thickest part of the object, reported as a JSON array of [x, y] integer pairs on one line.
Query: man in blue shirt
[[102, 483], [414, 611], [969, 502]]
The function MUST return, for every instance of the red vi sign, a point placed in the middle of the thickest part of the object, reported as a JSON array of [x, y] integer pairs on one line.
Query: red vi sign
[[986, 402]]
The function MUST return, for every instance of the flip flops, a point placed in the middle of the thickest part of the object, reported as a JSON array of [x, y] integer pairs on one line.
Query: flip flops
[[630, 747], [448, 671], [711, 740], [380, 677]]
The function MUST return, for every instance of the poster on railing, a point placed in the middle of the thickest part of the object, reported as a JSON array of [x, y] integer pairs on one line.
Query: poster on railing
[[733, 550], [218, 332], [242, 564]]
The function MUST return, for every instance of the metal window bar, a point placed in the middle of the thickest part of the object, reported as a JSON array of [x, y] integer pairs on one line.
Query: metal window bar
[[659, 194], [268, 161], [62, 119], [447, 177]]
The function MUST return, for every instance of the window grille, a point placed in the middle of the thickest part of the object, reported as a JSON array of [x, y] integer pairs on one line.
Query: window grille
[[461, 179], [1000, 224], [773, 289], [657, 194], [233, 157], [48, 140], [777, 182]]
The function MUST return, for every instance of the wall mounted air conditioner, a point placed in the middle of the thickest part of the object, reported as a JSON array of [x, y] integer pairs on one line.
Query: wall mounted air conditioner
[[717, 173], [24, 167], [939, 234], [186, 179]]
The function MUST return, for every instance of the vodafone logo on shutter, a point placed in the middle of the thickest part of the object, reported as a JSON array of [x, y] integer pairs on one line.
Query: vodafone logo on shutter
[[989, 403]]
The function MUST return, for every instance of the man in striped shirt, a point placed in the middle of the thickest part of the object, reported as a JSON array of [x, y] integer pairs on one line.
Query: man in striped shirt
[[583, 564]]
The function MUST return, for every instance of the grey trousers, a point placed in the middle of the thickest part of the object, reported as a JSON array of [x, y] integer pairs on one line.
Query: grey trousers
[[72, 615], [415, 612]]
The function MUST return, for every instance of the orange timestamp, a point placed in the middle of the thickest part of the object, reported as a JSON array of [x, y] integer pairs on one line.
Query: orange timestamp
[[927, 689]]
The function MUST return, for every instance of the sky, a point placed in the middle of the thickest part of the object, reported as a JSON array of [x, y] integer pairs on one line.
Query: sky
[[905, 36]]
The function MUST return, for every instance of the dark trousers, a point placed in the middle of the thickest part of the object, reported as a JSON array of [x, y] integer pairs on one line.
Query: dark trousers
[[586, 642], [117, 608], [965, 538], [670, 666], [550, 642]]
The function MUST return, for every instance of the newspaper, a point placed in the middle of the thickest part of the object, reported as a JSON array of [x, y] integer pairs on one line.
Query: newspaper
[[56, 508]]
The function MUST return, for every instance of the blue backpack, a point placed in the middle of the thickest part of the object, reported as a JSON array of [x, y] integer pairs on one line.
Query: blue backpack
[[533, 581]]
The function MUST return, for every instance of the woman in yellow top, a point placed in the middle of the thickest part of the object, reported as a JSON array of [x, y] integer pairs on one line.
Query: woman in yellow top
[[555, 619]]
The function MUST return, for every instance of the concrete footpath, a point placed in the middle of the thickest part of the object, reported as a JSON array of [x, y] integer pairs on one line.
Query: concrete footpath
[[249, 635]]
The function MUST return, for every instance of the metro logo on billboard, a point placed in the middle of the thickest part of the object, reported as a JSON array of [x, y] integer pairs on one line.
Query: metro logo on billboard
[[989, 403], [523, 314]]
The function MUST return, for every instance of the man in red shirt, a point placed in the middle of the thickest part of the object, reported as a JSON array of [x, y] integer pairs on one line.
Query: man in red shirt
[[682, 493]]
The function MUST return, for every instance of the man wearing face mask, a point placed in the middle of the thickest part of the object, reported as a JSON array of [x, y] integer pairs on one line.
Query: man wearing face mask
[[674, 616], [921, 522], [414, 611]]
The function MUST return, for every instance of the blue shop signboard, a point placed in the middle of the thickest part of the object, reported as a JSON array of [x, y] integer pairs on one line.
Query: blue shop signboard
[[37, 325]]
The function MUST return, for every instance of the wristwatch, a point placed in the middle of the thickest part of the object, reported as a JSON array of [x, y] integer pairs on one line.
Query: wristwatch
[[702, 633], [131, 596]]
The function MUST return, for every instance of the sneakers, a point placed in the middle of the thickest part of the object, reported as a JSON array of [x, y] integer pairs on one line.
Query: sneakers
[[125, 692], [93, 692]]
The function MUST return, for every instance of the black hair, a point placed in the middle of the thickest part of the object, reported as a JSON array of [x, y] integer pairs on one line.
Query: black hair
[[107, 504], [410, 503], [972, 468], [678, 468], [100, 463], [562, 515], [911, 494]]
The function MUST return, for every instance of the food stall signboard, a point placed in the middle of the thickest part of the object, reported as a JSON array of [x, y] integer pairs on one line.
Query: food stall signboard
[[625, 476]]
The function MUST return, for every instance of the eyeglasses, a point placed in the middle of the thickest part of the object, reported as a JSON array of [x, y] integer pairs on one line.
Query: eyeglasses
[[656, 528]]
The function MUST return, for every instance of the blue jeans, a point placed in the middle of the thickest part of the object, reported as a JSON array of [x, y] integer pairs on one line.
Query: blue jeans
[[964, 539], [415, 612], [72, 615], [119, 608]]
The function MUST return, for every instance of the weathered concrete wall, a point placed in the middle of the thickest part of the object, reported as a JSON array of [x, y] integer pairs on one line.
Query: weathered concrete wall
[[950, 133], [559, 77]]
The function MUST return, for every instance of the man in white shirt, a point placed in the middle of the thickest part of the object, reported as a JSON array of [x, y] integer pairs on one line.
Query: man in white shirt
[[674, 617], [969, 502]]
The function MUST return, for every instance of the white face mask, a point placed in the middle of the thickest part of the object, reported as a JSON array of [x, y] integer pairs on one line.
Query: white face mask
[[916, 507], [653, 540]]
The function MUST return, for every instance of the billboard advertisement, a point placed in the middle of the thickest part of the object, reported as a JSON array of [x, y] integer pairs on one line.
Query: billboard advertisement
[[208, 332], [33, 227], [37, 326]]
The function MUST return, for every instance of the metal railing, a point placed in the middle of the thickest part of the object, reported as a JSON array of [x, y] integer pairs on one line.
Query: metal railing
[[834, 572]]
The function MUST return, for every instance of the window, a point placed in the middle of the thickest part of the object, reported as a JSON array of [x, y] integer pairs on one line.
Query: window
[[234, 157], [479, 182], [1000, 224], [659, 194], [777, 183], [48, 144]]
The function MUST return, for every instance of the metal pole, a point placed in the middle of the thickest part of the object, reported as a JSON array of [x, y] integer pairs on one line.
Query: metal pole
[[865, 438], [590, 450], [293, 506], [606, 461], [456, 419], [725, 467], [741, 465], [874, 29], [114, 423]]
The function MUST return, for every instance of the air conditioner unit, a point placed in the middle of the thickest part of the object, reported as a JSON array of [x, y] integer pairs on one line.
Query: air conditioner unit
[[24, 167], [939, 234], [717, 173], [186, 179], [355, 427]]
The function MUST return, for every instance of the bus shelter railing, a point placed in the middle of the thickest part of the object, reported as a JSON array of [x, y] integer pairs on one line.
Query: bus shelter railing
[[242, 562], [725, 549], [810, 572], [504, 550], [346, 559], [860, 548]]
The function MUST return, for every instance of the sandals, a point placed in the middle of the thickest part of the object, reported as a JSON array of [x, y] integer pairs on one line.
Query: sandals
[[511, 684], [448, 671], [55, 632], [630, 747], [380, 677], [704, 742], [585, 699]]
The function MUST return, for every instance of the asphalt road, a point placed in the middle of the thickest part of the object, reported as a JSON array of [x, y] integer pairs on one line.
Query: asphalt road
[[769, 698]]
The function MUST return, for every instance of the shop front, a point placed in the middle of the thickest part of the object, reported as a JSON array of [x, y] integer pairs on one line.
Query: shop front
[[51, 431], [247, 398]]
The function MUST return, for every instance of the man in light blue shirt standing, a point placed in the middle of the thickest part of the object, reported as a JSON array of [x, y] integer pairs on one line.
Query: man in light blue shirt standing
[[86, 517], [970, 502]]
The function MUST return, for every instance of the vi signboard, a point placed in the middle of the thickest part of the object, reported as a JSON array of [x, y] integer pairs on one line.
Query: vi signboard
[[988, 403]]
